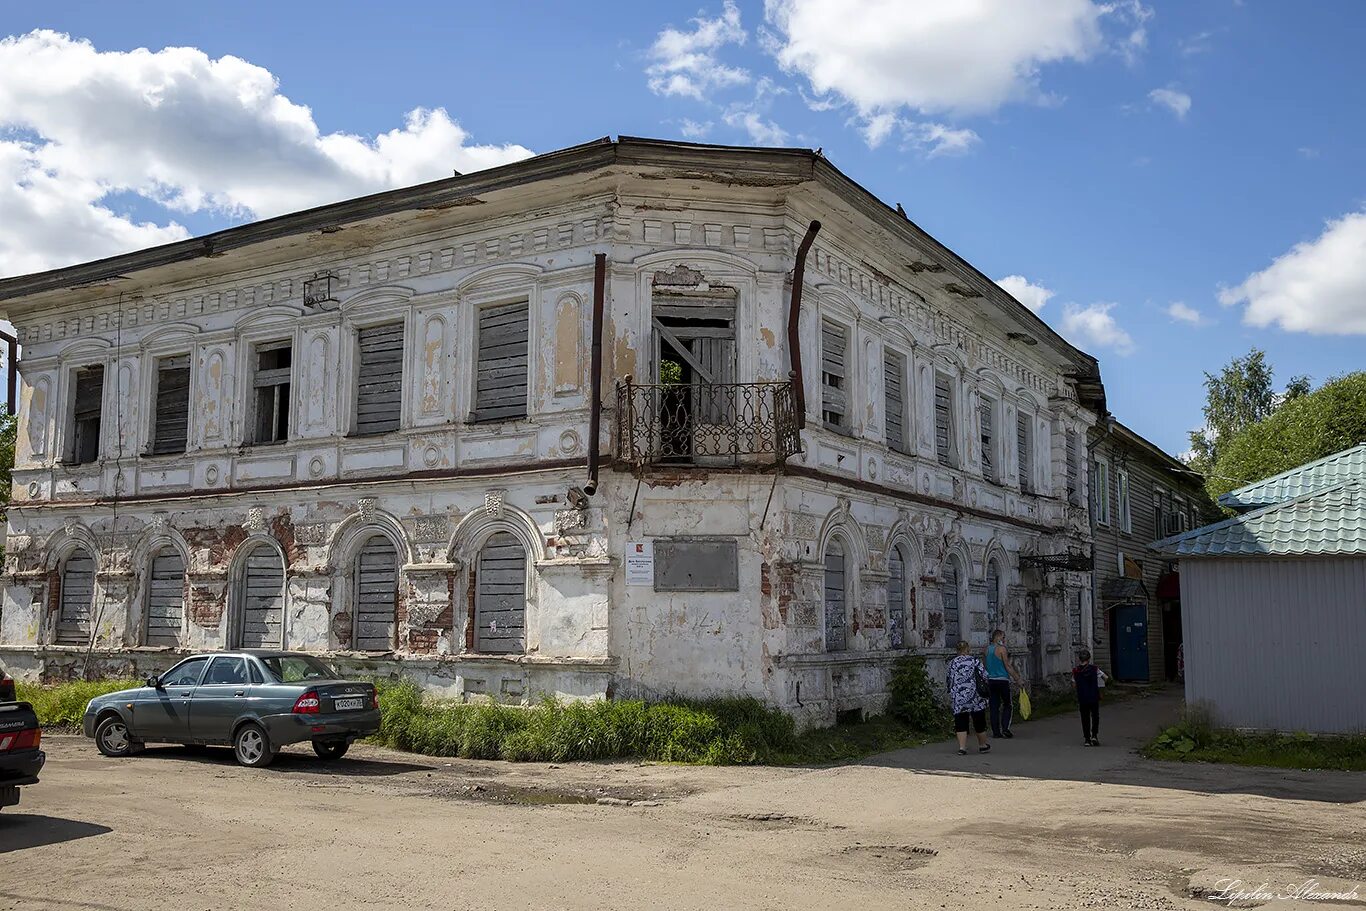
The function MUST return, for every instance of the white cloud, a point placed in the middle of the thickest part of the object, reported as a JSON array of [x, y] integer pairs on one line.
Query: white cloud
[[1095, 326], [183, 131], [1318, 286], [1184, 313], [932, 56], [761, 132], [1308, 152], [1026, 292], [928, 138], [691, 129], [685, 62], [1174, 100]]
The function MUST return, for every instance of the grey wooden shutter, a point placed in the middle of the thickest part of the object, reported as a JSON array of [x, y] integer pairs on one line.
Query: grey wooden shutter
[[993, 595], [376, 595], [86, 414], [836, 633], [165, 598], [501, 383], [943, 420], [1070, 444], [988, 411], [948, 588], [77, 599], [1024, 448], [263, 600], [717, 357], [896, 599], [834, 376], [893, 369], [172, 418], [500, 598], [379, 378]]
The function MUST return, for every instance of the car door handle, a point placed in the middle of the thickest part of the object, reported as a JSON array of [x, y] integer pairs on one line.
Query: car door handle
[[240, 693]]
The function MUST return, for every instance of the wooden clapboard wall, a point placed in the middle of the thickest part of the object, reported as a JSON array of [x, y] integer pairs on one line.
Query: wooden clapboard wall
[[501, 380], [172, 418], [376, 596], [836, 633], [834, 377], [893, 371], [500, 597], [263, 600], [379, 378], [165, 599], [77, 599]]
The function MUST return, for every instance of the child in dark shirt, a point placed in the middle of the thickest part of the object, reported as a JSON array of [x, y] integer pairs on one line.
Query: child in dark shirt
[[1086, 680]]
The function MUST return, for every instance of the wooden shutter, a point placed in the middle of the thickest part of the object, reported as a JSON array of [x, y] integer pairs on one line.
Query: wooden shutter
[[500, 598], [893, 369], [379, 378], [376, 596], [988, 412], [1070, 444], [165, 599], [896, 599], [501, 384], [834, 376], [943, 420], [172, 418], [77, 599], [993, 595], [1024, 448], [86, 414], [263, 600], [836, 638], [948, 588]]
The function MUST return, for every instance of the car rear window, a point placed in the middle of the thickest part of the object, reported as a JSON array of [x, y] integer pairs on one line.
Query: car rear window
[[294, 668]]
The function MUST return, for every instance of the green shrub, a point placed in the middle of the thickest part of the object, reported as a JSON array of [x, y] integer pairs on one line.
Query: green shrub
[[63, 704], [1196, 739], [914, 701]]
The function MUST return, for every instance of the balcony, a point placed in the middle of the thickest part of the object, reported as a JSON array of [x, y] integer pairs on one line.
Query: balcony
[[706, 424]]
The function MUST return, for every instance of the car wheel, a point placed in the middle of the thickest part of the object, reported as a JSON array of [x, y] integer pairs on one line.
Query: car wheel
[[251, 746], [112, 738], [330, 749]]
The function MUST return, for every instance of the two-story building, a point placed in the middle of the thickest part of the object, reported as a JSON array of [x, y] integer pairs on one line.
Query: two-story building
[[565, 426], [1139, 494]]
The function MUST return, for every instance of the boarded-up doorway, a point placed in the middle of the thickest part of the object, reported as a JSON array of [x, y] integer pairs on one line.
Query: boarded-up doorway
[[500, 597]]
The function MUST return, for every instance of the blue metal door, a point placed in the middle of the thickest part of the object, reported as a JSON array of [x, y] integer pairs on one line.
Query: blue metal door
[[1130, 635]]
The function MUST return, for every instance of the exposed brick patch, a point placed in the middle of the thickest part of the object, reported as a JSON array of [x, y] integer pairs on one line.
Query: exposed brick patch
[[341, 628], [282, 529], [220, 543], [207, 603]]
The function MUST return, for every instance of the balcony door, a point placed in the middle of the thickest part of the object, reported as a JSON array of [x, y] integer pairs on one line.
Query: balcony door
[[695, 362]]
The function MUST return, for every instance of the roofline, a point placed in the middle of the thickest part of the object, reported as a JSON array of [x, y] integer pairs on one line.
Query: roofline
[[587, 156], [1172, 462], [1227, 499]]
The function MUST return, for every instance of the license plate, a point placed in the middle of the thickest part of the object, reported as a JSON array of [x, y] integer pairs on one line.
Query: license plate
[[350, 704]]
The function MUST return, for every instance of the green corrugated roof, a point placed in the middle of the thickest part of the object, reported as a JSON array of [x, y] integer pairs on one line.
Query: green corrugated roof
[[1330, 471], [1324, 523]]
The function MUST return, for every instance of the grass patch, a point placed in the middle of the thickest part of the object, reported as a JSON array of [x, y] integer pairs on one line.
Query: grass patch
[[1195, 739], [62, 704]]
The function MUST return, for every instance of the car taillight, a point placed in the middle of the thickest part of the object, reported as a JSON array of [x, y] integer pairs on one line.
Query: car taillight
[[307, 704], [23, 740], [374, 700]]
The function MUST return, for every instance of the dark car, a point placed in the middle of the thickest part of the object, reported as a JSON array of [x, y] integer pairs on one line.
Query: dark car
[[20, 758], [6, 685], [255, 701]]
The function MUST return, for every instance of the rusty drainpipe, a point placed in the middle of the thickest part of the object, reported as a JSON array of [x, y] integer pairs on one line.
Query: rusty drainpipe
[[595, 404], [794, 341]]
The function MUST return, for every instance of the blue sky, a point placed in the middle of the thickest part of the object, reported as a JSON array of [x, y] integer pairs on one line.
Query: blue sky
[[1120, 160]]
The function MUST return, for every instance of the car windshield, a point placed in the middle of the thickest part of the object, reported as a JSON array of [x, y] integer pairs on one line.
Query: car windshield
[[293, 668]]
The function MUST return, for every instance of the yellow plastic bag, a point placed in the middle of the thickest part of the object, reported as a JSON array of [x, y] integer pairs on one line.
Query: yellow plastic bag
[[1025, 707]]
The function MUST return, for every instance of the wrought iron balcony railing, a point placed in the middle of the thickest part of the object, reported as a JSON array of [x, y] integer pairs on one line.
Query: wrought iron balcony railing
[[706, 423]]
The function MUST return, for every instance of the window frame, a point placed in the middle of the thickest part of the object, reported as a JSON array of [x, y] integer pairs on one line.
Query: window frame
[[1100, 490], [990, 442], [70, 444], [845, 426], [1025, 456], [153, 421], [1123, 500], [890, 354], [255, 349], [382, 320], [527, 300], [951, 457]]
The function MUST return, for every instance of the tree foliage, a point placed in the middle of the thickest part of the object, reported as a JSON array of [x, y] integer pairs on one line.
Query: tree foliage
[[1240, 395], [7, 425], [1303, 428]]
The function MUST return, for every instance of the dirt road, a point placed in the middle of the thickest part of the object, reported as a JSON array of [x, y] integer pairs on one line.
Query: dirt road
[[1041, 822]]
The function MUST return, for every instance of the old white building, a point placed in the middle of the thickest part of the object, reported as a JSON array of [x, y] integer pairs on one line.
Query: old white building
[[366, 430]]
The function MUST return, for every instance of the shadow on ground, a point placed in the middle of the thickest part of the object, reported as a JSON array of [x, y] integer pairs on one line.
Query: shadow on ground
[[287, 762], [20, 831], [1050, 749]]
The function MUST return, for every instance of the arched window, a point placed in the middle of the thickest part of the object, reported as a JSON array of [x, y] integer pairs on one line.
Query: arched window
[[836, 626], [376, 596], [165, 598], [500, 596], [993, 595], [78, 598], [897, 590], [262, 620], [948, 589]]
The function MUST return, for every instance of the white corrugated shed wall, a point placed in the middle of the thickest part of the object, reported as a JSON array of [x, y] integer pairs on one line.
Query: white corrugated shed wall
[[1277, 644]]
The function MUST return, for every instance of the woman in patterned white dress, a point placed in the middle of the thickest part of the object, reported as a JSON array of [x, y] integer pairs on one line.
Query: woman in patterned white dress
[[967, 702]]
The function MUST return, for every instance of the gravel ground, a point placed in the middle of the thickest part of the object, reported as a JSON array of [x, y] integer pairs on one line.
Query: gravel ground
[[1040, 822]]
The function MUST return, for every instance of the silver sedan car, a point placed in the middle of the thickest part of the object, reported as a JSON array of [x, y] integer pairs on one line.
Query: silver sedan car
[[255, 701]]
